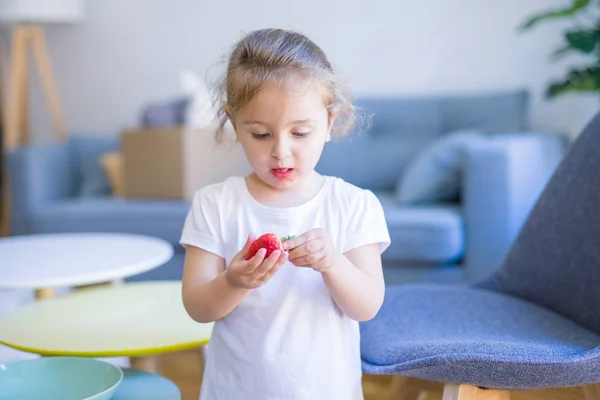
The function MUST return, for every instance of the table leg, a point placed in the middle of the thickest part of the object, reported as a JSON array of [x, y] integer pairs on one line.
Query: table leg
[[44, 293], [202, 359], [117, 282], [114, 282], [145, 363]]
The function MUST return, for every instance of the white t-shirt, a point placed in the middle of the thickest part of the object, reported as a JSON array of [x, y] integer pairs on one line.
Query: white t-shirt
[[287, 339]]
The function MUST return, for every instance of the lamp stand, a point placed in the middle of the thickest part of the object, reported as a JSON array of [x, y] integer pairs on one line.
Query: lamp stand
[[16, 124]]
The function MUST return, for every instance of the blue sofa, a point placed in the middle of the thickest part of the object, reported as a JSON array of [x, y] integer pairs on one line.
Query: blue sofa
[[62, 188]]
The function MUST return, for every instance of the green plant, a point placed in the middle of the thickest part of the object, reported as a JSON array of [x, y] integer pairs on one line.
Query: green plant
[[583, 38]]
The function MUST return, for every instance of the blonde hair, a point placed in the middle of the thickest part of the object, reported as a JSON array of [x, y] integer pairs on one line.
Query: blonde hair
[[276, 56]]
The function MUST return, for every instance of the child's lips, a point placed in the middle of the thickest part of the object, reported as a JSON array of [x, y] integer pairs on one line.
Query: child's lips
[[281, 173]]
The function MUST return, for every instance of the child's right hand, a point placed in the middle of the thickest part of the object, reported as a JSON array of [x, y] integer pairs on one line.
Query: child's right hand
[[256, 271]]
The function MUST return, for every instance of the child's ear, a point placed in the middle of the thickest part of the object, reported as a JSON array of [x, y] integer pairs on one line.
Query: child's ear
[[231, 120], [332, 118]]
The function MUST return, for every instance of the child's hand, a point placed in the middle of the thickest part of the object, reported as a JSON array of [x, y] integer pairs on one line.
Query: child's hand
[[256, 271], [312, 249]]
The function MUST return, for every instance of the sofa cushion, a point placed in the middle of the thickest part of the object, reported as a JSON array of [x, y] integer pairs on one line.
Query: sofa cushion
[[423, 234], [401, 127], [159, 218], [435, 174], [373, 157], [496, 112]]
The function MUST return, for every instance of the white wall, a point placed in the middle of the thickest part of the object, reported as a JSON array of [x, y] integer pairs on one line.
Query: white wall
[[128, 53]]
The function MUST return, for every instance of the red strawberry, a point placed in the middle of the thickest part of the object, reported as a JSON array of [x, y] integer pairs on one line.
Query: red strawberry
[[268, 241]]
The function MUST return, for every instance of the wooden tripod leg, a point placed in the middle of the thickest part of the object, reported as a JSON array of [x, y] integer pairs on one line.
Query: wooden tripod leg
[[23, 120], [42, 60], [4, 204], [17, 90]]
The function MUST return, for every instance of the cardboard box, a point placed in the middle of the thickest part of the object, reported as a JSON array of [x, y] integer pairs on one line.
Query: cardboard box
[[173, 163]]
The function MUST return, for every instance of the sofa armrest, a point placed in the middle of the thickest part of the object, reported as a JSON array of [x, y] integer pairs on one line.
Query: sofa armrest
[[504, 176], [37, 175]]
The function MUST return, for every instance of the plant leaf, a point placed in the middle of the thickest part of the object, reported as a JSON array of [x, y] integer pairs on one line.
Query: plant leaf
[[576, 6], [583, 80], [596, 76], [560, 52], [584, 41]]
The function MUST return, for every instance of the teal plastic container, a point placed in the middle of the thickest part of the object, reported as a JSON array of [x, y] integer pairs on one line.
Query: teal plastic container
[[59, 378]]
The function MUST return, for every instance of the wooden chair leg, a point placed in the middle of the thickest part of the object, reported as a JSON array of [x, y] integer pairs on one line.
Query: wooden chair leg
[[399, 389], [468, 392], [456, 392], [591, 392], [425, 395], [145, 363]]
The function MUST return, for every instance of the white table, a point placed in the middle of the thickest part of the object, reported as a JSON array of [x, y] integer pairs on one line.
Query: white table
[[47, 261]]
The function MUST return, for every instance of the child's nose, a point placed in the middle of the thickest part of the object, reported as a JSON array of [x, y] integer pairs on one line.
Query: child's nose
[[281, 149]]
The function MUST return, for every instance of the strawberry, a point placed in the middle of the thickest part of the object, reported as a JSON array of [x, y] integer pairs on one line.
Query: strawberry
[[268, 241]]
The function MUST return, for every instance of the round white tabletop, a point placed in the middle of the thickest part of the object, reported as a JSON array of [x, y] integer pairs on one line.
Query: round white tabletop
[[77, 259]]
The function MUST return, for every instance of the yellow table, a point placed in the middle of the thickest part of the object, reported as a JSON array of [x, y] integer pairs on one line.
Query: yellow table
[[137, 320]]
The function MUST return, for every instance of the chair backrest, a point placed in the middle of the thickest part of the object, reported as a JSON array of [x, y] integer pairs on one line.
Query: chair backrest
[[555, 260]]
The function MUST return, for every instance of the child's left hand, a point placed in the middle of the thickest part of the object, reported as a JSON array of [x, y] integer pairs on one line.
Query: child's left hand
[[312, 249]]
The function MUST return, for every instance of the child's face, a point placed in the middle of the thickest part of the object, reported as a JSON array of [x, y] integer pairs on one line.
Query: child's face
[[283, 131]]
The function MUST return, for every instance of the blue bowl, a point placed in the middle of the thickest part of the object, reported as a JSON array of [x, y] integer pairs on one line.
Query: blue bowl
[[59, 378]]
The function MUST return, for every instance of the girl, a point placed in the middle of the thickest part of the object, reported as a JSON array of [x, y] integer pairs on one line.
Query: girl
[[286, 325]]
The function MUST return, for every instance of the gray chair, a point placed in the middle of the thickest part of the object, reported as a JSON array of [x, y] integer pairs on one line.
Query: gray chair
[[535, 323]]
